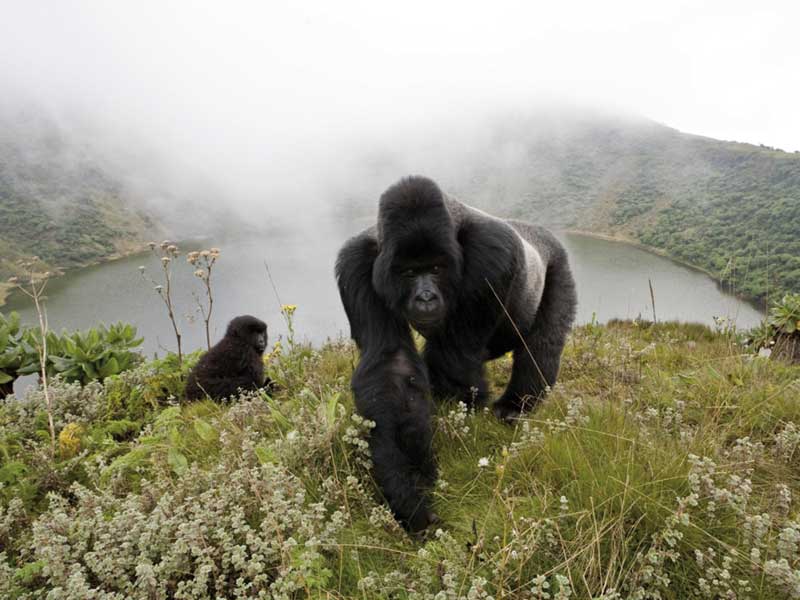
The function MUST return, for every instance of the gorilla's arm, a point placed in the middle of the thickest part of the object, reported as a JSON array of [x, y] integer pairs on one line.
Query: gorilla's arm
[[401, 442], [389, 386], [493, 258], [372, 324]]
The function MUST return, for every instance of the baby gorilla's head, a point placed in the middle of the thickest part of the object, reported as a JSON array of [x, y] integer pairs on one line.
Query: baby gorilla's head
[[250, 330]]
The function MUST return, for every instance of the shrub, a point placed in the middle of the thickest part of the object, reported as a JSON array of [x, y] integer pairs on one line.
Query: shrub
[[13, 357]]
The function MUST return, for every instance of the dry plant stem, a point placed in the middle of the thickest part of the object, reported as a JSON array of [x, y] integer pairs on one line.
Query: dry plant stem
[[207, 314], [652, 300], [275, 289], [36, 295], [43, 362], [519, 334], [167, 297]]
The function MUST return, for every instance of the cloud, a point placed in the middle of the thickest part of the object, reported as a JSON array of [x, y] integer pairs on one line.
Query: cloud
[[270, 99]]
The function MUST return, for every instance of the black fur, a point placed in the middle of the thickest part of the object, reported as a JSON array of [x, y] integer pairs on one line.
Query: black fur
[[234, 363], [475, 287]]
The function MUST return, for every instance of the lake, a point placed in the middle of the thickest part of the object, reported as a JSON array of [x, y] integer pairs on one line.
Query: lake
[[612, 280]]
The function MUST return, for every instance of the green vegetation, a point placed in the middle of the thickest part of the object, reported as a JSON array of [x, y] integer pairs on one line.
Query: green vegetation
[[780, 331], [86, 356], [784, 316], [663, 465], [12, 356], [59, 204], [731, 209]]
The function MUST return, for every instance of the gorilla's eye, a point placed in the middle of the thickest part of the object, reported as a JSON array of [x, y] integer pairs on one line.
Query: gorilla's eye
[[408, 273], [436, 269]]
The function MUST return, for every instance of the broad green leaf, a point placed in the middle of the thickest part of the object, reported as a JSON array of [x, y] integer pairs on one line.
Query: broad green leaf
[[174, 436], [206, 432], [265, 455], [167, 417], [330, 409], [177, 461], [110, 368]]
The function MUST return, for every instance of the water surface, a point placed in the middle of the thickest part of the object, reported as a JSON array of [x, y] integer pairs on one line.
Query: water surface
[[612, 281]]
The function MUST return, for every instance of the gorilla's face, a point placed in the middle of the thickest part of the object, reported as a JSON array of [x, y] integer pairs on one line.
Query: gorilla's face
[[259, 339], [423, 285], [253, 331], [419, 263]]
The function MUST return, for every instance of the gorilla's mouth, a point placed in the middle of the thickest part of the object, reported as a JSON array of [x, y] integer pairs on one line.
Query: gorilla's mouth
[[426, 322]]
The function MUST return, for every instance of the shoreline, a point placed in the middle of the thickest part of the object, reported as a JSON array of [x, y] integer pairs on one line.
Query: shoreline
[[7, 289], [754, 302]]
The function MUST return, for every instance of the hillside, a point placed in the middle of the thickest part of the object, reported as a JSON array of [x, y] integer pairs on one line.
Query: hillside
[[732, 209], [58, 201], [663, 465]]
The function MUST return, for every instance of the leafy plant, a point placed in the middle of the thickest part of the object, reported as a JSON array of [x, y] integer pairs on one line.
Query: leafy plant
[[13, 357], [97, 353], [783, 321], [784, 317]]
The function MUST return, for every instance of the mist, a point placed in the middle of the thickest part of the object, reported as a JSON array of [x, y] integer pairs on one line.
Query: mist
[[284, 112]]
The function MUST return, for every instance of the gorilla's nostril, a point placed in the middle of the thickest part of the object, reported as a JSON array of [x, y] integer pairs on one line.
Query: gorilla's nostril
[[426, 296]]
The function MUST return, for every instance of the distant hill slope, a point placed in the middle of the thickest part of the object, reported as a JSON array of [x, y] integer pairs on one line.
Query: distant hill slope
[[58, 202], [732, 209]]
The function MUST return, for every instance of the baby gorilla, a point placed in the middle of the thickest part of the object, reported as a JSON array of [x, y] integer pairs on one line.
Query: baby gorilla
[[234, 363]]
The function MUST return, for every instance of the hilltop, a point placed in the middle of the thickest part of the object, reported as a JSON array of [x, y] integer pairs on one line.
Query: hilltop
[[59, 200], [729, 208]]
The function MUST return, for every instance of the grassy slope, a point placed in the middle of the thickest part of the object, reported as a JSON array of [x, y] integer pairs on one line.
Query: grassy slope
[[595, 490], [732, 209]]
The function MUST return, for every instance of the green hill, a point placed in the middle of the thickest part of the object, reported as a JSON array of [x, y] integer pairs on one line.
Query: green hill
[[732, 209], [58, 201]]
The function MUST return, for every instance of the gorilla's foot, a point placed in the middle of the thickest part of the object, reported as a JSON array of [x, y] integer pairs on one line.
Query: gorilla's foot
[[420, 521], [506, 411], [510, 406]]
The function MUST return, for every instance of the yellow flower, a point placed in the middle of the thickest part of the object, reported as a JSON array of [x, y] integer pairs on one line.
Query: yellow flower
[[289, 309], [276, 351], [69, 440]]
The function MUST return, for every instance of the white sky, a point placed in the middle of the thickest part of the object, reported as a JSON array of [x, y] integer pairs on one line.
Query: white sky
[[227, 80]]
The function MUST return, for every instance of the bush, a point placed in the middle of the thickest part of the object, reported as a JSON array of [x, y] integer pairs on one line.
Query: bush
[[13, 357]]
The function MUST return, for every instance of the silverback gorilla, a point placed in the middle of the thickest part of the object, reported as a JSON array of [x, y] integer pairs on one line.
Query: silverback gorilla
[[233, 363], [475, 287]]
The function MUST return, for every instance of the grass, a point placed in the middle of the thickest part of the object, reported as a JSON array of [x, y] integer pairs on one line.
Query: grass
[[663, 465]]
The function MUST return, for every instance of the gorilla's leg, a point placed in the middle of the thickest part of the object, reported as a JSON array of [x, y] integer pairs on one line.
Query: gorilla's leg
[[454, 373], [536, 362]]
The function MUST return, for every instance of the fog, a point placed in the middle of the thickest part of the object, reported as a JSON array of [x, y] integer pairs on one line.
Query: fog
[[280, 111]]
